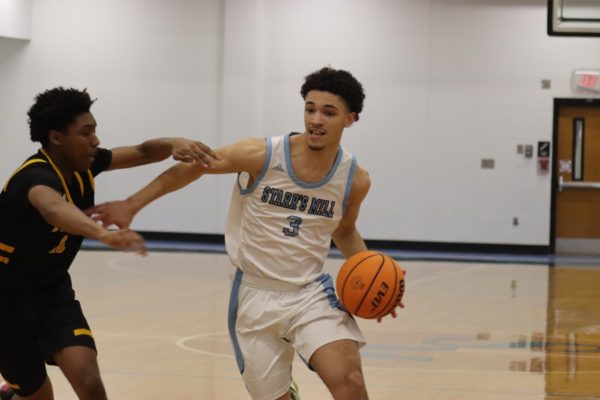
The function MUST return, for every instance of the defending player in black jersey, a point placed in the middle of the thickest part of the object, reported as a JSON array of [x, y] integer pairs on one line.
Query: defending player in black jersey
[[42, 226]]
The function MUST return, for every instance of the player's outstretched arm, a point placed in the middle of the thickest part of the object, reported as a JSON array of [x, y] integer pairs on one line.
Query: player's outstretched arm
[[346, 237], [121, 212], [155, 150], [67, 217], [245, 155]]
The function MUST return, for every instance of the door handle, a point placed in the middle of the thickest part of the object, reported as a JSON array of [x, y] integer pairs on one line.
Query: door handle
[[576, 185]]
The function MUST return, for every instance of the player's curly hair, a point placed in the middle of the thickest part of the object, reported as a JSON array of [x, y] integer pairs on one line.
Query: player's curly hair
[[56, 109], [338, 82]]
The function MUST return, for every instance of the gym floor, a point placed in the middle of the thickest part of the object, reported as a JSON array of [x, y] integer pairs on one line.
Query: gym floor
[[470, 330]]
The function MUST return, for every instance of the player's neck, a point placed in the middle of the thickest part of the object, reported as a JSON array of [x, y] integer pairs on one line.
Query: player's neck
[[309, 164], [60, 162]]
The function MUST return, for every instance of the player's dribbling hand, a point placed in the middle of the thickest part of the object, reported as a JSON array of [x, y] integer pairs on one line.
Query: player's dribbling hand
[[392, 313], [125, 239], [118, 213], [193, 151]]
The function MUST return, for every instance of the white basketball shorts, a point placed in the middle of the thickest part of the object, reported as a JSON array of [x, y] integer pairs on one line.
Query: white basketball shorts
[[270, 320]]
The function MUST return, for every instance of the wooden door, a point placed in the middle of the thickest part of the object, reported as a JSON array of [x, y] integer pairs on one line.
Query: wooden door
[[577, 212]]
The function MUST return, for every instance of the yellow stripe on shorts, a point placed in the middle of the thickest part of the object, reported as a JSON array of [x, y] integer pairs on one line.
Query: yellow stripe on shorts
[[12, 385], [6, 248], [82, 331]]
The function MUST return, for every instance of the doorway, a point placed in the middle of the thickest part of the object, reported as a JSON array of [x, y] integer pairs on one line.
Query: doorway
[[576, 177]]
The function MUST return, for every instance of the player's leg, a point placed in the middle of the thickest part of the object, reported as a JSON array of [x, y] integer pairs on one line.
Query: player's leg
[[338, 365], [329, 338], [67, 341], [80, 366], [22, 366], [263, 357]]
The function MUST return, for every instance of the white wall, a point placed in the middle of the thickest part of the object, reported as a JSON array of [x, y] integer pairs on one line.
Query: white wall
[[154, 67], [15, 19], [448, 82]]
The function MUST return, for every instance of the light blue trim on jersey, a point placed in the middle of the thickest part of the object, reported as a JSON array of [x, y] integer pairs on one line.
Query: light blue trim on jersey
[[292, 174], [305, 361], [262, 173], [232, 317], [349, 184], [327, 282]]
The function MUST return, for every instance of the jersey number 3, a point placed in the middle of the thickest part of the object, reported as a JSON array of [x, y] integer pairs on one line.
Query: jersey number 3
[[294, 224]]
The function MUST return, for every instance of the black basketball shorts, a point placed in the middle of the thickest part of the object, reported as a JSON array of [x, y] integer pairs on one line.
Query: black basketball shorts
[[35, 324]]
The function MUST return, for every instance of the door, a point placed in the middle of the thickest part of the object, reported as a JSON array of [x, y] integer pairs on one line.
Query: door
[[577, 210]]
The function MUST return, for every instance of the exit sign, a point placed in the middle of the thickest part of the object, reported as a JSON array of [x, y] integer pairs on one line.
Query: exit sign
[[587, 79]]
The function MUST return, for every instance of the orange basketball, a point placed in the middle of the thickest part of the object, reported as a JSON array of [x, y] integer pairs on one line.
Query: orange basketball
[[370, 284]]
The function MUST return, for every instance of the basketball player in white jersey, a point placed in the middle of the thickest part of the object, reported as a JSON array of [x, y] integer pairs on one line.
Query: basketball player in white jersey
[[301, 191]]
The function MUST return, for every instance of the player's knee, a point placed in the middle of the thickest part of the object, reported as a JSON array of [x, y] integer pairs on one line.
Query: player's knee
[[355, 380], [350, 385], [91, 387]]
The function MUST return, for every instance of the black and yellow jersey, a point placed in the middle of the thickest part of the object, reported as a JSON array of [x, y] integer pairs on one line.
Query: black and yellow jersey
[[33, 252]]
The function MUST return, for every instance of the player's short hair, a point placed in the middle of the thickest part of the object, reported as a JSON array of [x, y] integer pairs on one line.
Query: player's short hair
[[338, 82], [56, 109]]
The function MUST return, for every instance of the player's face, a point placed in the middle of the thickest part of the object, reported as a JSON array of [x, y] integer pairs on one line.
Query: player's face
[[325, 117], [79, 143]]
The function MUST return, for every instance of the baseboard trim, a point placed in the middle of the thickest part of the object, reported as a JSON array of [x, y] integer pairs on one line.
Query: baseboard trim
[[396, 245], [459, 247], [183, 237]]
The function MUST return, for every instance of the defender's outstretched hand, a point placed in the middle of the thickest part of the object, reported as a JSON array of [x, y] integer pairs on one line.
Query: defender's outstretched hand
[[193, 151], [125, 239], [119, 213]]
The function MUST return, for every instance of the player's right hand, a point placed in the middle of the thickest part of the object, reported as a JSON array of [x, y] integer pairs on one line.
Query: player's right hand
[[119, 213], [124, 239], [190, 151]]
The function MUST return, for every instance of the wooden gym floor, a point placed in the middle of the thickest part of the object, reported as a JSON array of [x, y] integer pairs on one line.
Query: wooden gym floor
[[470, 331]]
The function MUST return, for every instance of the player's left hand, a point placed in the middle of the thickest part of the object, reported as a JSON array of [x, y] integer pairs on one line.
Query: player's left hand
[[392, 313], [119, 213], [125, 239], [400, 304], [187, 150]]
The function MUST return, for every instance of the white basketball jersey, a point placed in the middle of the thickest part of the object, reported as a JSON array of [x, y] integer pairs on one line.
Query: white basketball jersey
[[280, 227]]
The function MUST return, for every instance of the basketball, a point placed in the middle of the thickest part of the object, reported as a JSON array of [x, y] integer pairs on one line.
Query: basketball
[[370, 284]]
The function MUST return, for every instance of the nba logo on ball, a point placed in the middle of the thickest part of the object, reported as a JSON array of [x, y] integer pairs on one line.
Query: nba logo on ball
[[370, 284], [357, 283]]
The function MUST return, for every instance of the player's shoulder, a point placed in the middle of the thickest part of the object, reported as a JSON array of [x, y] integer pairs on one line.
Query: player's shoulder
[[246, 154], [252, 143], [30, 174], [34, 169], [361, 181]]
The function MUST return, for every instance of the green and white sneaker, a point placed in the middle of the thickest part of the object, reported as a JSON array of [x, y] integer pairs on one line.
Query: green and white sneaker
[[294, 391]]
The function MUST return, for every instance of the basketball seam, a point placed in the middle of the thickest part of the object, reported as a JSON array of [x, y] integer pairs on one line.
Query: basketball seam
[[394, 295], [372, 282]]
